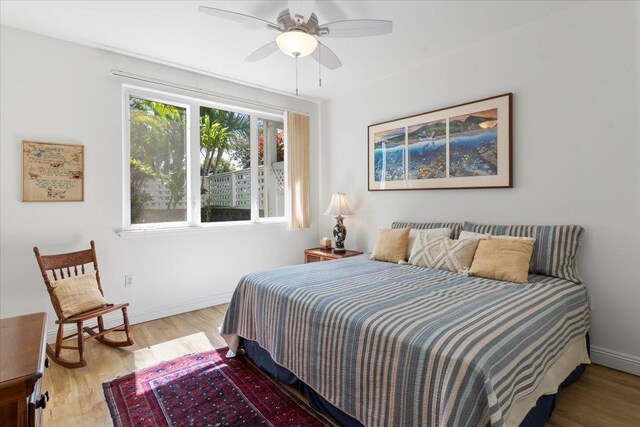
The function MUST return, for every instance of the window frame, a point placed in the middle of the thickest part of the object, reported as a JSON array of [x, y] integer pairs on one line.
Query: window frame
[[192, 151]]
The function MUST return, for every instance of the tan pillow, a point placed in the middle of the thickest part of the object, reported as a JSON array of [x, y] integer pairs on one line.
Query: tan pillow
[[443, 253], [431, 232], [503, 259], [78, 294], [391, 245]]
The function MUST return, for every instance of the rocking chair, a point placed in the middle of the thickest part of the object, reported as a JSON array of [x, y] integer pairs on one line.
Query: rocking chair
[[74, 264]]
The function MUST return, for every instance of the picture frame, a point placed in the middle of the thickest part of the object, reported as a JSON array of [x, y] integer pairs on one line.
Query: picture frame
[[52, 172], [464, 146]]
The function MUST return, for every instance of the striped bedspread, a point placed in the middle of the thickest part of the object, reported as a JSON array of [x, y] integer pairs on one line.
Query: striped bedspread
[[400, 345]]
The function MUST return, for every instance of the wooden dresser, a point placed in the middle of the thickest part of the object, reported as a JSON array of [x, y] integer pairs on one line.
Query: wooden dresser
[[22, 364]]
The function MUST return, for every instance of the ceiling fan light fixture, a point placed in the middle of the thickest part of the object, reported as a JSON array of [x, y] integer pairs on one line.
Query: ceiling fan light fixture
[[296, 43]]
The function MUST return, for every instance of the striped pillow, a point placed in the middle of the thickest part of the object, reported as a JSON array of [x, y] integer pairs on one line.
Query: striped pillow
[[455, 227], [554, 253]]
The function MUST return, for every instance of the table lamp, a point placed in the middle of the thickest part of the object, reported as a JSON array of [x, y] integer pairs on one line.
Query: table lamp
[[338, 208]]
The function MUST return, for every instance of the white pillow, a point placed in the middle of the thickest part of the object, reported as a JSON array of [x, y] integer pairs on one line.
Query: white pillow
[[431, 232], [464, 235], [444, 253], [526, 239], [473, 235]]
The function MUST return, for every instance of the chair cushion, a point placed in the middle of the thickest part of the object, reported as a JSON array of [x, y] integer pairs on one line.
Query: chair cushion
[[78, 294]]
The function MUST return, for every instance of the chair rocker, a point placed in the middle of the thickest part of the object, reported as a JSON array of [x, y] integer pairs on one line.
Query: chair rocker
[[74, 264]]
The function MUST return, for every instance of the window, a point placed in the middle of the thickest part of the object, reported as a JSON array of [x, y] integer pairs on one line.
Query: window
[[225, 163], [158, 162], [271, 167], [230, 169]]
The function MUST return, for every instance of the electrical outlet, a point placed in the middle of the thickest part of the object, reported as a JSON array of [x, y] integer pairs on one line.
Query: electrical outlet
[[128, 281]]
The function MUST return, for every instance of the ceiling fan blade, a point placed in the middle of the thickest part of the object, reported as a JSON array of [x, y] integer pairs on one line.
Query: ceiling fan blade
[[326, 57], [300, 10], [355, 28], [239, 17], [262, 52]]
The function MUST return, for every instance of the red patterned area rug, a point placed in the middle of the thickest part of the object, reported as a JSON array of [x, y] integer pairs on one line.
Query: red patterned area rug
[[205, 389]]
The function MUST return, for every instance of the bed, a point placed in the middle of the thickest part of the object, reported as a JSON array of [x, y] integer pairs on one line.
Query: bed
[[379, 344], [392, 344]]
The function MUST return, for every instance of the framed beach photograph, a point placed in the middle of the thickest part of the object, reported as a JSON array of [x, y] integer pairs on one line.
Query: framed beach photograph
[[463, 146], [52, 172]]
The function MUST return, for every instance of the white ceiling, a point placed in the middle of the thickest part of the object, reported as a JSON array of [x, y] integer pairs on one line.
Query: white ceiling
[[175, 32]]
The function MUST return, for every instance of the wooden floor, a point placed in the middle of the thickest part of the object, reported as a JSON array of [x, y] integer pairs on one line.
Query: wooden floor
[[601, 397]]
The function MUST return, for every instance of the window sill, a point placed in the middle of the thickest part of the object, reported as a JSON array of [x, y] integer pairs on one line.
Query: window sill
[[202, 228]]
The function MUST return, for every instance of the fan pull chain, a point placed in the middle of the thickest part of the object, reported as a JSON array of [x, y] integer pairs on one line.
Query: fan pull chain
[[319, 65], [297, 55]]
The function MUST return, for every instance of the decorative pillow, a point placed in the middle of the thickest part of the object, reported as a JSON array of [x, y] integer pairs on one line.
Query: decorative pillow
[[471, 235], [78, 294], [511, 238], [391, 245], [554, 253], [503, 259], [443, 253], [455, 227], [434, 232]]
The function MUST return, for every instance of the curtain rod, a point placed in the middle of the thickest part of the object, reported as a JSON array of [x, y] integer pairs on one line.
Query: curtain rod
[[140, 78]]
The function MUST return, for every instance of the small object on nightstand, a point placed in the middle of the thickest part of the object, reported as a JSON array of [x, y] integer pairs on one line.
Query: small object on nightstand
[[320, 254], [325, 243], [338, 208]]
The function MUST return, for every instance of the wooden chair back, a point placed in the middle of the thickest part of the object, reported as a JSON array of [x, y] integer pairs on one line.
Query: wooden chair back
[[61, 266]]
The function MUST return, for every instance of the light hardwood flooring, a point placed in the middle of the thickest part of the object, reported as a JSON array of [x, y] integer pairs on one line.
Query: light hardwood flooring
[[601, 397]]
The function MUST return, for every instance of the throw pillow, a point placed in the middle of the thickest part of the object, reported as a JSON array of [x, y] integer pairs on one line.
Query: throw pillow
[[434, 232], [471, 235], [443, 253], [503, 259], [555, 251], [455, 227], [78, 294], [391, 245]]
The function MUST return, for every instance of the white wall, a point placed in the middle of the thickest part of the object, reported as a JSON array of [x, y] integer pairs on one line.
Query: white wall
[[575, 79], [61, 92]]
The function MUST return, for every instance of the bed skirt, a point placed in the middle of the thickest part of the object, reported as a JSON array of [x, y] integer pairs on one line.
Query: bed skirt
[[536, 417]]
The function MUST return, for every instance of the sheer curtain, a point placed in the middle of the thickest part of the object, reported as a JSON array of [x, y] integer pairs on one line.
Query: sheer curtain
[[297, 163]]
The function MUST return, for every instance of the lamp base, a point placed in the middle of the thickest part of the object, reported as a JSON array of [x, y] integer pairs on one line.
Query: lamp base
[[339, 234]]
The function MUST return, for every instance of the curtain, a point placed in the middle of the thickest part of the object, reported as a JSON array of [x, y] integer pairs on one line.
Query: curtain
[[297, 163]]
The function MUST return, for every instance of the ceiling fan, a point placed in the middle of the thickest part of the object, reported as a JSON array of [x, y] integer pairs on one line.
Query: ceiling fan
[[299, 32]]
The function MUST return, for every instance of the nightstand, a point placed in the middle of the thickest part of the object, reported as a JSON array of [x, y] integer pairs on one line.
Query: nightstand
[[319, 254]]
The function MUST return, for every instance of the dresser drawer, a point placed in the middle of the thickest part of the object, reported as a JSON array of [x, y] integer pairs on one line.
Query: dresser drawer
[[320, 254], [36, 404], [312, 258]]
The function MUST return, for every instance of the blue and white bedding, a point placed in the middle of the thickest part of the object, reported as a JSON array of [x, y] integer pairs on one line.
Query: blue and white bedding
[[403, 345]]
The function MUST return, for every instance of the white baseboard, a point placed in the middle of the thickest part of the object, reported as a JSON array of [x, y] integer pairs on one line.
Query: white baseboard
[[115, 318], [613, 359]]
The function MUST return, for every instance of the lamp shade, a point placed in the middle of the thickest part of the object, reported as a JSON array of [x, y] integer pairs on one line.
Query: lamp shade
[[338, 206], [296, 42]]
